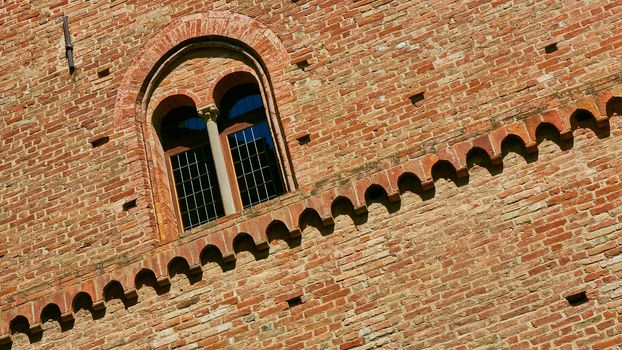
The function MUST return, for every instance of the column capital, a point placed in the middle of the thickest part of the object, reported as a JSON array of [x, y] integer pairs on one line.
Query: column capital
[[209, 112]]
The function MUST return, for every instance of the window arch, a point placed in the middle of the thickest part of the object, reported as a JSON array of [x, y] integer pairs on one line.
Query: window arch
[[191, 167], [221, 159], [245, 132], [144, 86]]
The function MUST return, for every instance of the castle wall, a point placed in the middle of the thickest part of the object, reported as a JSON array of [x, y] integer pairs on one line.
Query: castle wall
[[481, 260], [486, 263]]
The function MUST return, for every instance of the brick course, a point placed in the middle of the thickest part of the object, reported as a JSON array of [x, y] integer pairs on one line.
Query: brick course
[[393, 237]]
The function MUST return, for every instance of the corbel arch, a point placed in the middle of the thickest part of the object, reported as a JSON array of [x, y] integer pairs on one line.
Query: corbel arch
[[134, 107]]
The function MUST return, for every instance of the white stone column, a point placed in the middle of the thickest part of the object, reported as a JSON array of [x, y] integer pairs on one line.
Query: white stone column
[[210, 115]]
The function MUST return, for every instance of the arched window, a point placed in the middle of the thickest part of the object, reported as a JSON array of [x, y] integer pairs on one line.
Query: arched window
[[193, 174], [245, 131], [221, 161]]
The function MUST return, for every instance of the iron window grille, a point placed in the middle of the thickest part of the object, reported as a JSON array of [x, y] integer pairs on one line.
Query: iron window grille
[[250, 147]]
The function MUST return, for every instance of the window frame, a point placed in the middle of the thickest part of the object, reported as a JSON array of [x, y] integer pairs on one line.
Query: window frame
[[169, 153], [177, 147], [240, 123], [224, 128]]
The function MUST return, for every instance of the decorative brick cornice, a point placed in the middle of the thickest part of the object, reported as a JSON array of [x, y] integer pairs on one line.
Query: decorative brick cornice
[[222, 236]]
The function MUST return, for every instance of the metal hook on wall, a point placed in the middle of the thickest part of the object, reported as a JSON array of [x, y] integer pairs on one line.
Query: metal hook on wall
[[68, 46]]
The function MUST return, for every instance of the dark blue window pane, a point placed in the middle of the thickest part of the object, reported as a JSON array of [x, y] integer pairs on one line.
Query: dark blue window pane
[[193, 123], [255, 163], [244, 105], [182, 124], [241, 100]]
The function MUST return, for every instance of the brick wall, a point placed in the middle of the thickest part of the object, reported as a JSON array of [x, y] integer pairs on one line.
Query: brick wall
[[485, 263]]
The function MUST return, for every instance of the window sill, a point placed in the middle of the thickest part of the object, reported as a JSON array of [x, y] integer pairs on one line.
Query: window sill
[[228, 221]]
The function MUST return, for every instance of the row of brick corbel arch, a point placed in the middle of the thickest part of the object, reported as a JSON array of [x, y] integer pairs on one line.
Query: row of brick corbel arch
[[28, 317]]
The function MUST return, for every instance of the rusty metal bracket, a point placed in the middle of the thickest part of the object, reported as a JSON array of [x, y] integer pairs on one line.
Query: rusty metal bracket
[[68, 46]]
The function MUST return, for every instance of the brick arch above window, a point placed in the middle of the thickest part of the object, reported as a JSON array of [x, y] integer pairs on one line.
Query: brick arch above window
[[166, 103], [135, 105], [259, 40], [228, 79]]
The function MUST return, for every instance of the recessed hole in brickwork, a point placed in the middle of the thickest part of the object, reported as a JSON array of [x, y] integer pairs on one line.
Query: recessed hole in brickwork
[[99, 141], [551, 48], [303, 140], [295, 301], [577, 299], [417, 98], [129, 205], [103, 72], [303, 65]]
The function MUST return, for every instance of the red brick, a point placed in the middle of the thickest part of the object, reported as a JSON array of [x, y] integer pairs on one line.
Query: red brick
[[446, 268]]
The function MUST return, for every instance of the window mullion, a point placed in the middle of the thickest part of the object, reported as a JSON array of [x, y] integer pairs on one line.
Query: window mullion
[[219, 163]]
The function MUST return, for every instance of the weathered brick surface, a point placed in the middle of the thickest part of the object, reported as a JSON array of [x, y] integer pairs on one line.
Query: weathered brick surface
[[486, 263], [490, 270]]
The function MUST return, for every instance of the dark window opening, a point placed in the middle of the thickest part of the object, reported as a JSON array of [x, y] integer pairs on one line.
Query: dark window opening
[[197, 186], [252, 151], [185, 141]]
